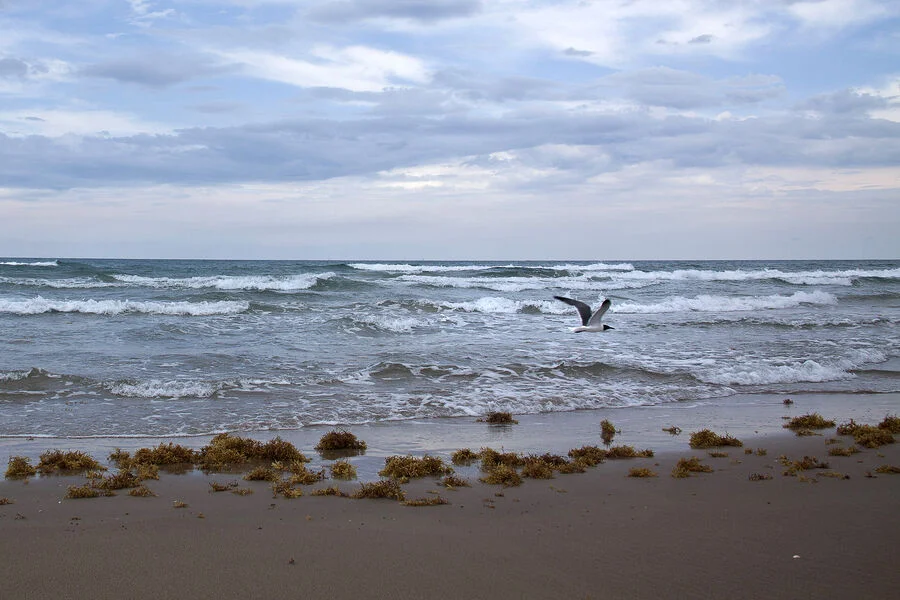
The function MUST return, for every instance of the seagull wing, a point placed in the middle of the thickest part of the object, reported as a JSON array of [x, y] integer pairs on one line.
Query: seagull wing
[[583, 309], [595, 318]]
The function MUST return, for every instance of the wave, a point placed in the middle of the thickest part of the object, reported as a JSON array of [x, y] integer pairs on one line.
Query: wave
[[819, 277], [706, 303], [413, 269], [12, 263], [231, 282], [69, 283], [40, 305], [520, 284], [808, 371]]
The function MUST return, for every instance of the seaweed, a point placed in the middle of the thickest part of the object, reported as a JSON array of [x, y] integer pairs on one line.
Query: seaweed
[[706, 438], [120, 458], [342, 469], [263, 474], [463, 457], [453, 481], [4, 501], [281, 450], [53, 461], [537, 469], [891, 423], [887, 469], [330, 491], [242, 491], [808, 421], [589, 455], [340, 440], [490, 458], [641, 472], [179, 504], [759, 477], [303, 476], [19, 467], [141, 491], [686, 466], [118, 481], [384, 488], [502, 474], [872, 437], [841, 451], [215, 486], [286, 489], [628, 452], [408, 467], [433, 501], [673, 430], [804, 464], [164, 454], [607, 431], [579, 465], [498, 418], [722, 454], [81, 491]]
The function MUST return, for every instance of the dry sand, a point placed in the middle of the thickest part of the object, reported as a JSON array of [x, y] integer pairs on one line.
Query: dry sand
[[594, 535]]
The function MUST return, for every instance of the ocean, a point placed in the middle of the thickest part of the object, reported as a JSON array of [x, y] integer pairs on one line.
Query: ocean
[[176, 348]]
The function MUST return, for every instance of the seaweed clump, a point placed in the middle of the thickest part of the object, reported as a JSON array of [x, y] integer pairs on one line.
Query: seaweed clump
[[384, 488], [498, 418], [641, 472], [342, 469], [628, 452], [841, 451], [808, 421], [19, 467], [84, 491], [706, 438], [463, 457], [607, 431], [454, 481], [405, 468], [891, 423], [503, 475], [536, 468], [867, 436], [53, 461], [330, 491], [887, 469], [686, 466], [163, 454], [263, 474], [340, 440], [433, 501], [118, 481], [588, 455], [141, 491]]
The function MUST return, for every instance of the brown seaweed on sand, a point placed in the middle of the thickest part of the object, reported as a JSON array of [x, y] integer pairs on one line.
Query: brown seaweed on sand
[[498, 418], [408, 467], [502, 475], [706, 438], [53, 461], [384, 488], [808, 421], [686, 466], [19, 467]]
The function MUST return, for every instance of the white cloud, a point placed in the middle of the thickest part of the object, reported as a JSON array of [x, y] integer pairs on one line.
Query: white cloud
[[356, 68], [56, 123]]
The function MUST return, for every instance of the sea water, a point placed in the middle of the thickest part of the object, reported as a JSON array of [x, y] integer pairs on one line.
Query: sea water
[[169, 348]]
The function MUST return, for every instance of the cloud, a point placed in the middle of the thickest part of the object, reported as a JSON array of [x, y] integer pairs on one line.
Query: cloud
[[13, 67], [425, 11], [158, 70]]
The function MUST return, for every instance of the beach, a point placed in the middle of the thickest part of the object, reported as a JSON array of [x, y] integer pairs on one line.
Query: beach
[[821, 533]]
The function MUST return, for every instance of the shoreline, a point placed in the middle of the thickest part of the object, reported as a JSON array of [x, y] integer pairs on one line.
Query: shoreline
[[593, 535], [741, 415]]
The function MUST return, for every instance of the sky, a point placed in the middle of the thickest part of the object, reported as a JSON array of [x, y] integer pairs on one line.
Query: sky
[[450, 129]]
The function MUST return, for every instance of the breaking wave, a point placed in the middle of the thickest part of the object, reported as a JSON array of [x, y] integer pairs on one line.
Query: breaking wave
[[40, 305], [12, 263], [231, 282]]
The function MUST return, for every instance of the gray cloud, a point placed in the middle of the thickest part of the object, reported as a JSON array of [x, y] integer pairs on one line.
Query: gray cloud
[[156, 71], [317, 149], [844, 102], [426, 11], [673, 88], [706, 38], [13, 67]]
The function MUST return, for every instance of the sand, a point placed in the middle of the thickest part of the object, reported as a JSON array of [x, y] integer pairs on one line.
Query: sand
[[594, 535]]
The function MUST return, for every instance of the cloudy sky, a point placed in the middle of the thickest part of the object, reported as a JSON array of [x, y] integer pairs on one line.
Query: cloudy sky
[[450, 129]]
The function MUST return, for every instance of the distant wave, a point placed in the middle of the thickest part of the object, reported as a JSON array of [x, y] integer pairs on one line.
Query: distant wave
[[842, 277], [39, 305], [50, 263], [519, 284], [726, 303], [231, 282], [412, 269], [69, 283]]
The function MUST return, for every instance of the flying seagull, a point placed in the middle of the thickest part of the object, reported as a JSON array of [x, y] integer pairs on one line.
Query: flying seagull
[[589, 322]]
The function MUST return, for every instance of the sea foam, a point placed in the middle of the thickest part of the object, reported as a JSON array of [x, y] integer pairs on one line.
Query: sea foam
[[707, 303], [231, 282], [40, 305], [51, 263]]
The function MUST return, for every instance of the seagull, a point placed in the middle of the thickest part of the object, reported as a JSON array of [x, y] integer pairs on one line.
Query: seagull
[[589, 322]]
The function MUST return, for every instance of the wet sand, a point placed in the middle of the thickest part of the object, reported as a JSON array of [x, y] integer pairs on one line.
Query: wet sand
[[599, 534]]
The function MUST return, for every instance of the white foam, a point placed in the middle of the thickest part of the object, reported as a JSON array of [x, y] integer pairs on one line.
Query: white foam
[[387, 323], [156, 388], [231, 282], [843, 277], [73, 283], [595, 267], [40, 305], [496, 305], [707, 303], [51, 263], [519, 284]]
